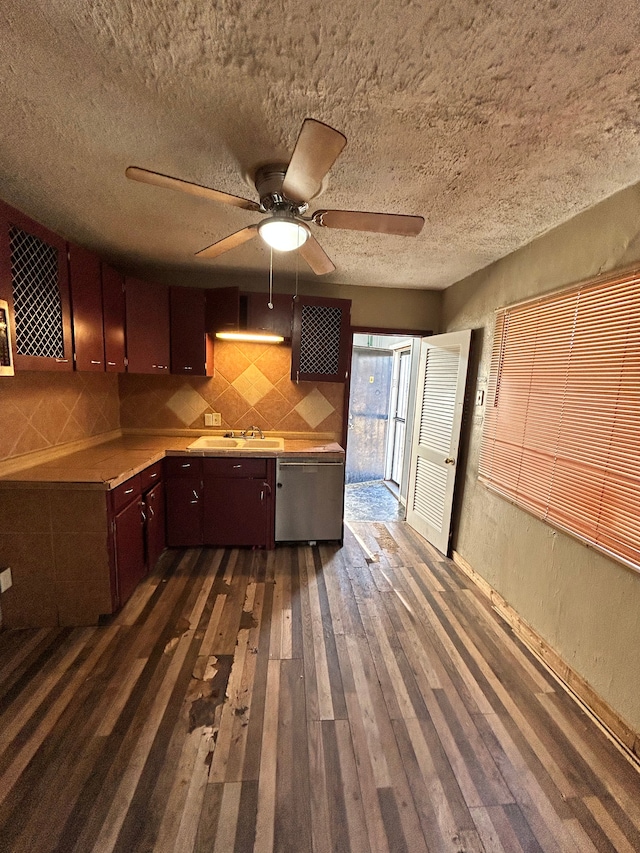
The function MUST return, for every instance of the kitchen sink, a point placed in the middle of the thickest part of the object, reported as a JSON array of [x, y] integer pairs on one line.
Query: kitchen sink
[[218, 442]]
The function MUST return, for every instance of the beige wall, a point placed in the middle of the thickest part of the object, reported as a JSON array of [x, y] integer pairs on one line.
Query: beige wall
[[586, 606], [389, 308]]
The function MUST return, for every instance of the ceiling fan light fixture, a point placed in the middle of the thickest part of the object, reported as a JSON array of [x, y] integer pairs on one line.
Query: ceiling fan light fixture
[[283, 233]]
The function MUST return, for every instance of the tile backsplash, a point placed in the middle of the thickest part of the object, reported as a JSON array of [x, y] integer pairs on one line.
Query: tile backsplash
[[251, 386], [40, 410]]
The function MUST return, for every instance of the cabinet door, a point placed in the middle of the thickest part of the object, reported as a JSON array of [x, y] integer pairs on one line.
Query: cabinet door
[[113, 311], [184, 511], [223, 309], [155, 538], [86, 308], [264, 319], [129, 549], [34, 280], [147, 310], [320, 339], [237, 512], [188, 333]]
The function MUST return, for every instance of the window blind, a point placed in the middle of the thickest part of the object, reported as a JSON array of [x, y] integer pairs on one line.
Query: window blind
[[562, 424]]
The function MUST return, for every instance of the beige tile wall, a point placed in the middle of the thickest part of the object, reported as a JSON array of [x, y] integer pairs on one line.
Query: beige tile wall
[[39, 410], [251, 386]]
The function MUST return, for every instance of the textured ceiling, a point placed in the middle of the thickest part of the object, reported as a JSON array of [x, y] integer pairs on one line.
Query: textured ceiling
[[495, 120]]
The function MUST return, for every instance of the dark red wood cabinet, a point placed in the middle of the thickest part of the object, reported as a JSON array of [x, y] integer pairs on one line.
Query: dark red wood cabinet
[[147, 326], [183, 480], [155, 536], [220, 501], [129, 549], [86, 307], [320, 340], [113, 314], [261, 318], [223, 309], [238, 502], [190, 352], [137, 524], [34, 280], [127, 526]]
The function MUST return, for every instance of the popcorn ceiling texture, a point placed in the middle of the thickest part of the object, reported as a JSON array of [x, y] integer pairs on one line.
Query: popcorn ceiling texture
[[251, 387], [43, 410], [495, 120]]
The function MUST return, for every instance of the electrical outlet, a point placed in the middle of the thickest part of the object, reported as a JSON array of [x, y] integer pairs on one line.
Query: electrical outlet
[[216, 419], [6, 581]]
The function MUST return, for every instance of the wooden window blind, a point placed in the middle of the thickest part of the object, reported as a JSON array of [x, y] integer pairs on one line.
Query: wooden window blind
[[562, 424]]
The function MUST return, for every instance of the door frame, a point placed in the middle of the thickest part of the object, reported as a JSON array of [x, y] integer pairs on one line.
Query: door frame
[[368, 330]]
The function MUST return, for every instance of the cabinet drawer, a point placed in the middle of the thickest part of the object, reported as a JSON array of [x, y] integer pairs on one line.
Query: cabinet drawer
[[238, 466], [150, 476], [125, 493], [182, 466]]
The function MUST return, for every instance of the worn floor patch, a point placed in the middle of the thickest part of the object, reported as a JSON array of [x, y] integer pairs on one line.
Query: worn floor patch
[[211, 693]]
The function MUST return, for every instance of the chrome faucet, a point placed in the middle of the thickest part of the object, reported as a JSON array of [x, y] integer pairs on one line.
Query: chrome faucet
[[251, 431]]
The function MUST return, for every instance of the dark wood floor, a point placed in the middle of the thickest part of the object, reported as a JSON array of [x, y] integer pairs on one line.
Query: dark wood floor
[[308, 699]]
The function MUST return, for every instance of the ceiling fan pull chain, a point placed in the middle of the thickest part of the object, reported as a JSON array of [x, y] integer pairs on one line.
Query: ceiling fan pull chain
[[297, 266], [270, 302]]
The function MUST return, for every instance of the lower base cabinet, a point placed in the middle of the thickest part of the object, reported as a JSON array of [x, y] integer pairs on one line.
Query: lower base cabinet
[[138, 530], [183, 480], [155, 536], [222, 502], [128, 530]]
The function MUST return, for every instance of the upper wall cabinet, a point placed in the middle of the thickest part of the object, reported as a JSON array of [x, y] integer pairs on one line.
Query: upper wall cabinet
[[113, 313], [190, 353], [34, 281], [86, 309], [320, 339], [261, 318], [147, 309], [223, 309]]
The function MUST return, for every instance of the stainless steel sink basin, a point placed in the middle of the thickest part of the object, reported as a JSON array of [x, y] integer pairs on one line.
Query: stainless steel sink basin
[[218, 442]]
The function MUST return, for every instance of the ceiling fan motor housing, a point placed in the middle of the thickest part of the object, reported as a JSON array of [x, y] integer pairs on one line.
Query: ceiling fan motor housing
[[268, 183]]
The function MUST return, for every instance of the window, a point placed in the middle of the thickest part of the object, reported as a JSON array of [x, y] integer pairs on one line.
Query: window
[[562, 428]]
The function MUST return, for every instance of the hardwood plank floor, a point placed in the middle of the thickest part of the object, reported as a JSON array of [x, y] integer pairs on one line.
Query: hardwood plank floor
[[363, 699]]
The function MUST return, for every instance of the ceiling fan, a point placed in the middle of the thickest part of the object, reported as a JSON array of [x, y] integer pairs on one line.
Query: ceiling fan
[[284, 191]]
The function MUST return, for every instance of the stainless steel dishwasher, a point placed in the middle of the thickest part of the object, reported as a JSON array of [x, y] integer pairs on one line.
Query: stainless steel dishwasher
[[309, 500]]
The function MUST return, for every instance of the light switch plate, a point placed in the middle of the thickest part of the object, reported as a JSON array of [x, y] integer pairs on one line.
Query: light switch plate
[[6, 581], [212, 419]]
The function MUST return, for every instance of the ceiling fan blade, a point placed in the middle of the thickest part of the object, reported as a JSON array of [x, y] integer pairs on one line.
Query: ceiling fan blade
[[158, 180], [315, 152], [229, 242], [316, 257], [382, 223]]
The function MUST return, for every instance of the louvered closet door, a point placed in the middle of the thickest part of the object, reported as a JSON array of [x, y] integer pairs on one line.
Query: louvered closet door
[[436, 435]]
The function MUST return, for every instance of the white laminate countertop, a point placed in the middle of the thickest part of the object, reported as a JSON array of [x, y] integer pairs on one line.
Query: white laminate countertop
[[107, 465]]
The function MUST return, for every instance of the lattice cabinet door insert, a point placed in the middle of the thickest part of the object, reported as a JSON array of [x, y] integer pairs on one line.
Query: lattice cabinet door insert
[[320, 339], [34, 281]]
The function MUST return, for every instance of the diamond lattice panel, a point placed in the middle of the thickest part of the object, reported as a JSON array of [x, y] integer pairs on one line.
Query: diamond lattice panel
[[36, 297], [320, 340]]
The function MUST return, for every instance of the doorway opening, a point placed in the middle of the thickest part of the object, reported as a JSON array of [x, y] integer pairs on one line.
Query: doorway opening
[[384, 371]]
